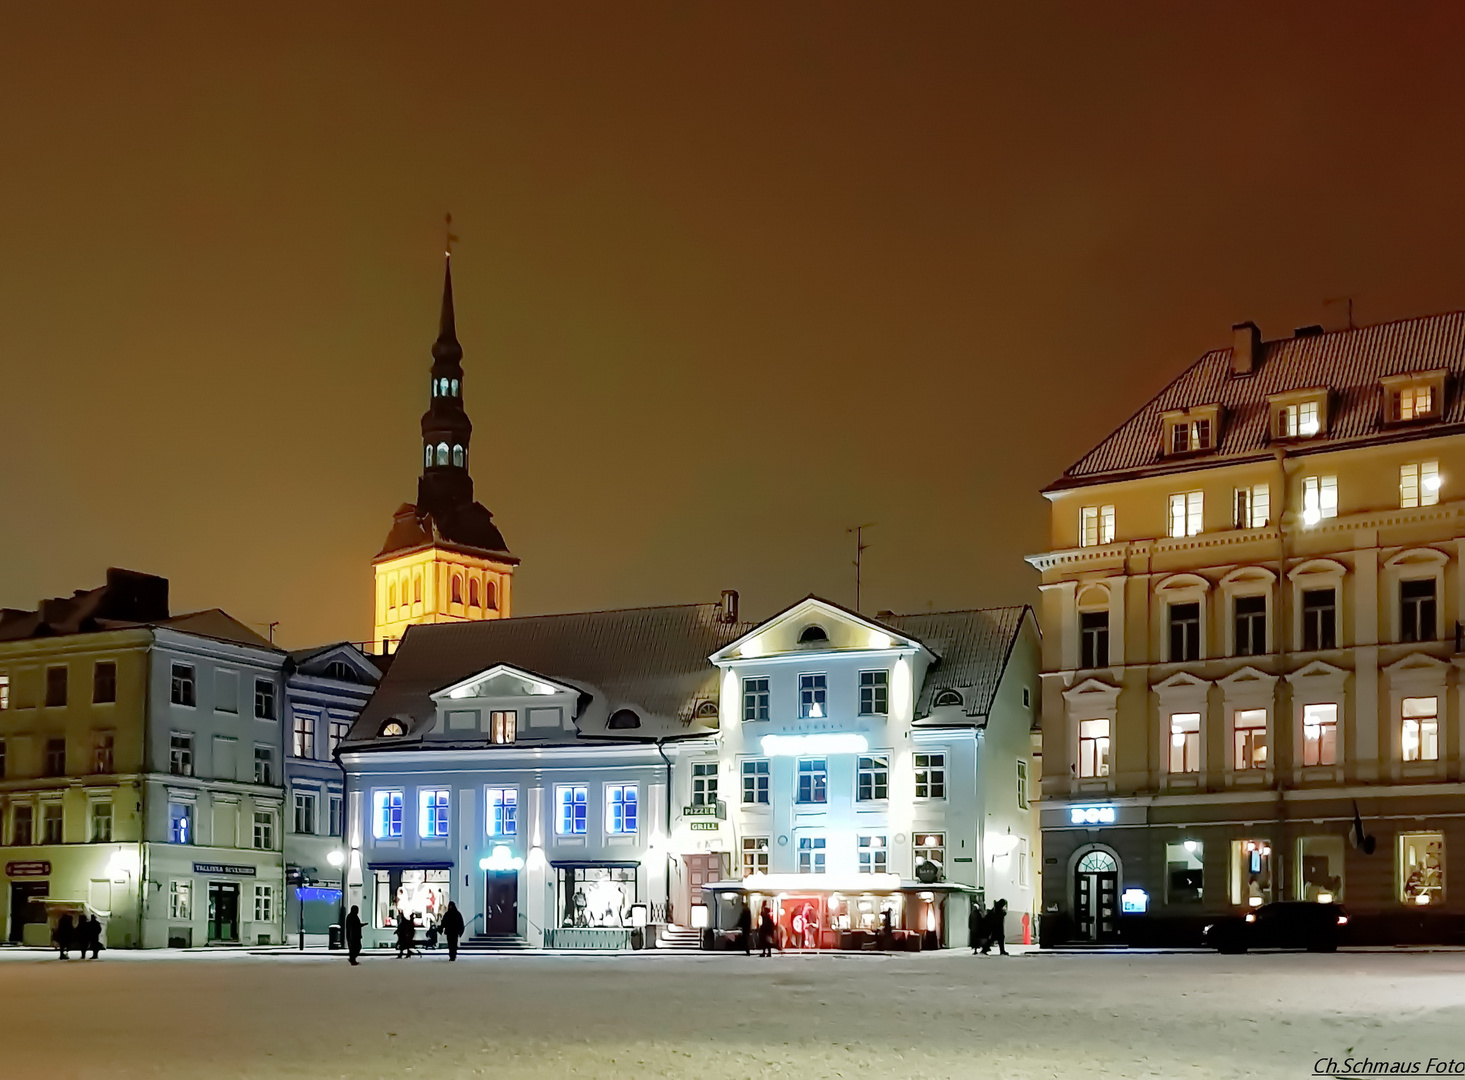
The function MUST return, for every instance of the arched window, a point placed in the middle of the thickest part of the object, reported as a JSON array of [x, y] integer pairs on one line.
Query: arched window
[[1097, 862], [392, 596], [458, 456], [491, 596], [622, 719], [457, 589], [947, 697], [417, 589], [432, 387], [442, 388], [393, 729], [427, 454], [473, 592], [442, 453], [813, 635], [455, 388]]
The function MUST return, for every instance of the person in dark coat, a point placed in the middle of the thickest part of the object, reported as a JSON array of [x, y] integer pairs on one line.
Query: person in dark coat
[[976, 922], [353, 933], [995, 930], [767, 928], [745, 930], [62, 936], [406, 932], [93, 939], [452, 928]]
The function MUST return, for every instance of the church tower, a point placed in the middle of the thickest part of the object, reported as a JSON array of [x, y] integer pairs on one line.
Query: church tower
[[444, 559]]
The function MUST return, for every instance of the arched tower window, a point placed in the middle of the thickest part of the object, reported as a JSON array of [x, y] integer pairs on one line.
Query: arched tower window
[[442, 453], [392, 596], [491, 596], [455, 388], [432, 387], [417, 589], [458, 456], [427, 454], [457, 589], [442, 388], [473, 592]]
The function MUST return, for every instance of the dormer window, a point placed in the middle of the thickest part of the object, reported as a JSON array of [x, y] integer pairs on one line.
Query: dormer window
[[1300, 414], [1191, 431], [814, 635], [1411, 398], [946, 699], [393, 729]]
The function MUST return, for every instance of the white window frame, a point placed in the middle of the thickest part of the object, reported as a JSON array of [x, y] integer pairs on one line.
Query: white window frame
[[1319, 499], [704, 782], [1419, 484], [616, 798], [501, 812], [872, 851], [762, 782], [756, 859], [383, 802], [264, 903], [1096, 525], [814, 709], [817, 852], [268, 827], [878, 695], [434, 813], [1253, 506], [1187, 514], [180, 899], [308, 805], [874, 764], [757, 701], [571, 827], [935, 771]]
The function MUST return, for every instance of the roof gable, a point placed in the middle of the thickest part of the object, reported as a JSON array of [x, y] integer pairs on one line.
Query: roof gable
[[502, 680], [793, 630]]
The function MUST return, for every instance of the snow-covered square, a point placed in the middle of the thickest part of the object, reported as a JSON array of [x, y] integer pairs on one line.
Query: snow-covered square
[[718, 1015]]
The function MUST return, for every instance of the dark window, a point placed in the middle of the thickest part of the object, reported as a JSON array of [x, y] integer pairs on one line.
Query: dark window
[[1251, 625], [1185, 631], [813, 781], [622, 719], [813, 635], [55, 757], [1416, 610], [180, 755], [1319, 620], [340, 671], [183, 686], [56, 686], [1093, 639], [264, 699], [104, 682]]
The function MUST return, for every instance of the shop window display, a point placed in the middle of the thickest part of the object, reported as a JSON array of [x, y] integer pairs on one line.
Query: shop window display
[[1251, 873], [1184, 872], [421, 894], [1320, 869], [1422, 868], [595, 896]]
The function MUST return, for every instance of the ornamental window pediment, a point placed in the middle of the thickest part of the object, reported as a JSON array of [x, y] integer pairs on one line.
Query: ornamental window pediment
[[1093, 697]]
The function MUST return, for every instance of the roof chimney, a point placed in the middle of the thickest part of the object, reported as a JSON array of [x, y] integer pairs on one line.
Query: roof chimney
[[1247, 348], [729, 605]]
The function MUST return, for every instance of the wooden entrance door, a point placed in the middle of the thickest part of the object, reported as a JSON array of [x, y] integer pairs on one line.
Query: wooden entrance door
[[501, 902], [701, 869], [223, 911]]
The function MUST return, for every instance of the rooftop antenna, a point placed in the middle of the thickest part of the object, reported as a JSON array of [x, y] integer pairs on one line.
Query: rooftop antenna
[[449, 237], [272, 630], [860, 546], [1342, 300]]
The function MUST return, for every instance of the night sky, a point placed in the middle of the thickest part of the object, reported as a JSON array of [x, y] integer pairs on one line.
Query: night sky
[[732, 277]]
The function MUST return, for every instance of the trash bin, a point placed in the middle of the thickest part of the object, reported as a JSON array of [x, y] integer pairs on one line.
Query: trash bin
[[335, 936]]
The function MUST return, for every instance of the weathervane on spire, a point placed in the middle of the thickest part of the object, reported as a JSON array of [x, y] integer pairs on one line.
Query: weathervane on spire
[[449, 239]]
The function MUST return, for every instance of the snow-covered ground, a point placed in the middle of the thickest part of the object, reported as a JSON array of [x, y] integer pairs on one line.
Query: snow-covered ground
[[711, 1016]]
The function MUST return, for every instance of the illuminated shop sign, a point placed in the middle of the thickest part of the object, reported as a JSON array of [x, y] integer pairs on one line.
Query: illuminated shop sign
[[502, 859], [1091, 815], [702, 826], [1134, 900], [828, 742], [223, 868]]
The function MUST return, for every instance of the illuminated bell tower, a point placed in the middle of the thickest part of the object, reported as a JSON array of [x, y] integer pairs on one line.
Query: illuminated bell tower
[[444, 559]]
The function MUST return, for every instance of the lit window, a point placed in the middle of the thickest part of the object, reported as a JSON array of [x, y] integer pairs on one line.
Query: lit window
[[183, 685], [1251, 739], [304, 813], [874, 693], [1413, 403], [1319, 498], [1419, 484], [811, 854], [503, 725], [931, 848], [180, 823], [1253, 506], [813, 781], [264, 830], [1298, 421], [1251, 873], [704, 783], [874, 855], [1093, 748], [872, 779], [180, 904], [755, 699], [386, 814], [453, 388], [180, 755], [503, 811], [930, 776], [1420, 737], [755, 855], [303, 737], [4, 692], [1185, 742], [1185, 872], [102, 752], [620, 808], [812, 691], [458, 456], [264, 903], [1417, 609], [51, 823], [432, 814], [1186, 512], [427, 455], [1320, 869], [755, 782], [1422, 868], [1022, 785], [1320, 734], [574, 805], [1096, 526], [442, 453]]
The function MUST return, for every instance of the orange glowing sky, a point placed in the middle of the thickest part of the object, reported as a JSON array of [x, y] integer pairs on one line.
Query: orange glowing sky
[[731, 278]]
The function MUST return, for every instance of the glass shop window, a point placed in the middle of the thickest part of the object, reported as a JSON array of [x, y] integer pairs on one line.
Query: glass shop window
[[1184, 872], [595, 896], [421, 894], [1251, 873], [1320, 869], [1422, 868]]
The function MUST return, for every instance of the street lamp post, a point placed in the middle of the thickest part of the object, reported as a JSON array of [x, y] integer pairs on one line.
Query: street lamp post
[[337, 858]]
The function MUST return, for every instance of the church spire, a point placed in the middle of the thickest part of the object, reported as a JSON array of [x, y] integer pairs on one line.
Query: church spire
[[446, 429], [446, 348]]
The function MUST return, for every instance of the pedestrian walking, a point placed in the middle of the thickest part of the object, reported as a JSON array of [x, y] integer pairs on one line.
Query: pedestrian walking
[[93, 937], [745, 930], [452, 928], [353, 934], [995, 930], [766, 929], [431, 935], [63, 934], [406, 932], [976, 922]]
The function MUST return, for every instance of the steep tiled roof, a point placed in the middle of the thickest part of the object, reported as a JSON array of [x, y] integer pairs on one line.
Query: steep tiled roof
[[653, 659], [1349, 363], [974, 647]]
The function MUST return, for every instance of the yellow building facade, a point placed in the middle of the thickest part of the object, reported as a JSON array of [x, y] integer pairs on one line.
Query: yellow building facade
[[1252, 663], [444, 559]]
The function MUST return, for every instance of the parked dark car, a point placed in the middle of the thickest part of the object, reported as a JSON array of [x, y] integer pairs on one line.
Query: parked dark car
[[1292, 924]]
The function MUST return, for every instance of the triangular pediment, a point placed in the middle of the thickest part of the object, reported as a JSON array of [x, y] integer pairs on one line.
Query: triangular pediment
[[1182, 680], [503, 681], [1318, 671], [319, 663], [1418, 663], [1245, 678], [1091, 690], [817, 625]]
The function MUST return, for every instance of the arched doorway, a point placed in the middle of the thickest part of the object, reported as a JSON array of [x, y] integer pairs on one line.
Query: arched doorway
[[1096, 896]]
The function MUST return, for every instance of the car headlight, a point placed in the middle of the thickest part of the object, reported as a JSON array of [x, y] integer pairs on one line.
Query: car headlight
[[1342, 920], [1250, 917]]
